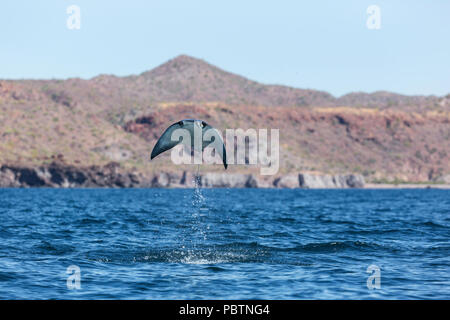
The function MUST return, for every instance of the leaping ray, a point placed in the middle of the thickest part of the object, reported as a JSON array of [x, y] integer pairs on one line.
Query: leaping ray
[[165, 142]]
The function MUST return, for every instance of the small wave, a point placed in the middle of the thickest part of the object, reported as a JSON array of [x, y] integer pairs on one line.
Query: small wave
[[216, 269], [432, 224], [438, 248], [237, 252], [7, 276], [46, 247], [90, 221], [380, 231], [218, 254], [324, 247]]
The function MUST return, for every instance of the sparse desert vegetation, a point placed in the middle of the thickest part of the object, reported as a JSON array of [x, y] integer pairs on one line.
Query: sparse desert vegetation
[[384, 136]]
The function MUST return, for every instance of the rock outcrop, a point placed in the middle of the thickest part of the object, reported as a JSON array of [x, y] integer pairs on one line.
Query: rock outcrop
[[224, 180], [287, 181], [165, 180], [355, 181], [314, 181], [444, 179], [61, 175], [8, 178]]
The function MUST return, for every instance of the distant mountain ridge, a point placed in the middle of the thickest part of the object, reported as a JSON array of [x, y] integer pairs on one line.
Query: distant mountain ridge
[[188, 79], [185, 78], [208, 83]]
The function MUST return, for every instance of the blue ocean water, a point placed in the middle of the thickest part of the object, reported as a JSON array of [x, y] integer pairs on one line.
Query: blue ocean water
[[224, 244]]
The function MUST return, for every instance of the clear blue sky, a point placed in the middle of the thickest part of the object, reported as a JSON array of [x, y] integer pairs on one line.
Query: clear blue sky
[[316, 44]]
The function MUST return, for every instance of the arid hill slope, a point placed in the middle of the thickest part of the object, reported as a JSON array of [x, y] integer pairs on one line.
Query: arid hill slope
[[385, 136]]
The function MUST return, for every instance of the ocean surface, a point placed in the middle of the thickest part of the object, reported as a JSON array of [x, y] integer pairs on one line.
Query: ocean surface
[[224, 244]]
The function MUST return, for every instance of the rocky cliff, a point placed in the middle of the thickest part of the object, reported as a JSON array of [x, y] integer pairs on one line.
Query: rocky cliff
[[67, 176], [60, 175]]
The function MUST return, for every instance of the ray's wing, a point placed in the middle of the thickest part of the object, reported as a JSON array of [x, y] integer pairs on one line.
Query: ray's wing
[[165, 142], [222, 151]]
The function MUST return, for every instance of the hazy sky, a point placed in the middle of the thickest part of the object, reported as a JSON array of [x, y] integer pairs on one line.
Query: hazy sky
[[318, 44]]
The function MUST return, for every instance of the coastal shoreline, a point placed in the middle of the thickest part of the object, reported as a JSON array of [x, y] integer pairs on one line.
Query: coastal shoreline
[[406, 186], [113, 175]]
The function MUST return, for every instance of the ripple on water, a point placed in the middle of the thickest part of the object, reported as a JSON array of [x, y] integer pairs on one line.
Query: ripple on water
[[206, 243]]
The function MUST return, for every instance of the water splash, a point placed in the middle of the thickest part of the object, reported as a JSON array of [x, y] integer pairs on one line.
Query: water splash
[[195, 227], [199, 210], [198, 200]]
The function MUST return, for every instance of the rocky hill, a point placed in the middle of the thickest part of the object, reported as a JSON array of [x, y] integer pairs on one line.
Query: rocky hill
[[385, 137]]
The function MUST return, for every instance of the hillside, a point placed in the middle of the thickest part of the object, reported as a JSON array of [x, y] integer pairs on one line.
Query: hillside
[[384, 136]]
